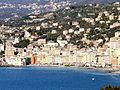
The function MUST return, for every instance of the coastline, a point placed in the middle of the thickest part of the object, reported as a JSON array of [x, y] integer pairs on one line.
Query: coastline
[[104, 70], [117, 72]]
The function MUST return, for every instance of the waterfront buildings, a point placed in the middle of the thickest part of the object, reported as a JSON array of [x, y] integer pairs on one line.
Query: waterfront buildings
[[53, 54]]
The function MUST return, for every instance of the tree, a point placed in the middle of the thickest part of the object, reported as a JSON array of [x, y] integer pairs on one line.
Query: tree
[[22, 43], [111, 88], [1, 41]]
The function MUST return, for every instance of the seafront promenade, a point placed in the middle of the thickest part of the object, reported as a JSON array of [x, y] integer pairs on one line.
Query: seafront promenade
[[104, 70]]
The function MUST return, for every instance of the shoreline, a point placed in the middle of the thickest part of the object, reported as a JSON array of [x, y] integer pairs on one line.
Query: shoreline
[[104, 70]]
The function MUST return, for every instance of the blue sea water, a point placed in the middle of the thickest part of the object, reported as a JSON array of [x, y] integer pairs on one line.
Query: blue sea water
[[49, 78]]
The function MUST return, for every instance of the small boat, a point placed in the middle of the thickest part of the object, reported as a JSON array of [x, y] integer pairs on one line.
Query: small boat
[[93, 79]]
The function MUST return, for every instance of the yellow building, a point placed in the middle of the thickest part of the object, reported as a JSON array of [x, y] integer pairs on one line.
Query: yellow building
[[42, 59], [9, 50], [79, 59], [115, 63]]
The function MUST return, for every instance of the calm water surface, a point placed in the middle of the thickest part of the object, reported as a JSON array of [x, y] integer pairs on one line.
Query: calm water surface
[[44, 78]]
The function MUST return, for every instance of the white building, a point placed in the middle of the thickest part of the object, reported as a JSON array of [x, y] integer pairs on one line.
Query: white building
[[27, 34], [16, 61], [55, 24], [62, 43], [1, 47], [117, 34], [51, 44], [114, 43], [16, 40]]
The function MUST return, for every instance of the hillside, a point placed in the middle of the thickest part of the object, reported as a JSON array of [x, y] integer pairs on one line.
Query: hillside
[[18, 8], [79, 25]]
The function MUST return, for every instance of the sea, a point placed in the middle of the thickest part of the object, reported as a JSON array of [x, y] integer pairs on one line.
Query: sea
[[55, 78]]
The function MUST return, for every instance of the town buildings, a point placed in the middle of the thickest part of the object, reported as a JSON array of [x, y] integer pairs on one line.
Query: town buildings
[[67, 37]]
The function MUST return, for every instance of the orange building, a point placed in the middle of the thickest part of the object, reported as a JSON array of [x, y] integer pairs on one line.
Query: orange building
[[33, 59]]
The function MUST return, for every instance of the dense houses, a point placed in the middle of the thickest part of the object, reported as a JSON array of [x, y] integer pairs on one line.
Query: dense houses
[[74, 36], [53, 54]]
